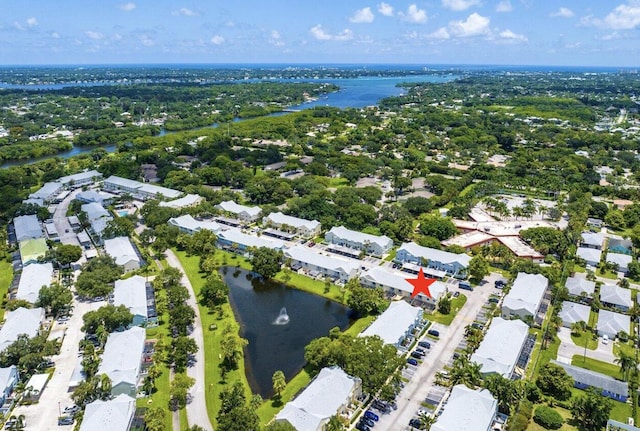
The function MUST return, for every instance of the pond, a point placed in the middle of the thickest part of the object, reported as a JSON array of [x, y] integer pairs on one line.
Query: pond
[[278, 322]]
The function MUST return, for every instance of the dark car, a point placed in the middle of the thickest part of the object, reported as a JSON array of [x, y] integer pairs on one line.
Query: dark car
[[65, 420], [415, 423], [433, 332], [494, 299], [380, 405], [421, 351], [367, 422], [362, 427], [371, 415], [412, 361], [425, 344], [456, 294], [500, 284]]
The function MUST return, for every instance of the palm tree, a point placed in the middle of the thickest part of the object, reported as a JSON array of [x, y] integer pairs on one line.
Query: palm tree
[[626, 362], [465, 372]]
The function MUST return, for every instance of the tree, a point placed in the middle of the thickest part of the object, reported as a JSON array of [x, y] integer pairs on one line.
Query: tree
[[55, 299], [281, 426], [109, 317], [591, 410], [548, 418], [181, 317], [266, 261], [214, 292], [444, 304], [438, 227], [553, 380], [97, 277], [508, 392], [465, 372], [335, 424], [365, 301], [626, 362], [234, 412], [182, 348], [231, 347], [118, 226], [179, 390], [478, 267], [279, 382], [154, 419], [615, 219], [64, 254]]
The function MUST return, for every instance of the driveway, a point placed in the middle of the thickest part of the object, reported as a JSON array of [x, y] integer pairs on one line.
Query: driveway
[[568, 349], [197, 408], [65, 232], [416, 390]]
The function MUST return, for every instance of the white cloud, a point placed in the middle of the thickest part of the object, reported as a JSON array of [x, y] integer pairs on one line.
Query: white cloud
[[321, 34], [610, 36], [624, 17], [146, 40], [362, 16], [440, 33], [185, 12], [510, 36], [127, 7], [504, 6], [474, 25], [95, 35], [275, 38], [414, 15], [19, 26], [217, 40], [385, 9], [459, 5], [563, 12], [32, 22], [55, 35]]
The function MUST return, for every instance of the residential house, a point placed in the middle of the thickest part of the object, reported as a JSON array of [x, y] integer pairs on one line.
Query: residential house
[[620, 246], [183, 202], [121, 360], [138, 190], [80, 179], [32, 250], [187, 224], [453, 264], [572, 313], [48, 192], [8, 380], [582, 379], [22, 321], [303, 228], [594, 222], [123, 252], [613, 425], [592, 240], [32, 279], [581, 289], [27, 227], [525, 297], [132, 293], [242, 212], [113, 415], [610, 323], [395, 324], [97, 216], [89, 196], [622, 261], [501, 347], [591, 256], [320, 265], [395, 283], [467, 410], [237, 240], [329, 394], [370, 244], [615, 297]]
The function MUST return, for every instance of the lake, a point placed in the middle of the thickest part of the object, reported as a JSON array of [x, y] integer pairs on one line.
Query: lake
[[257, 306]]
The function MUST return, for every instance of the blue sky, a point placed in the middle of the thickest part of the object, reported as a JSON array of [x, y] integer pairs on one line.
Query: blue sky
[[528, 32]]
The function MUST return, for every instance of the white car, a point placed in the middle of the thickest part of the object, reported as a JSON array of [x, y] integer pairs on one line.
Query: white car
[[605, 339]]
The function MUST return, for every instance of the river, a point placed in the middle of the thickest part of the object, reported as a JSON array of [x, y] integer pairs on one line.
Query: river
[[353, 93]]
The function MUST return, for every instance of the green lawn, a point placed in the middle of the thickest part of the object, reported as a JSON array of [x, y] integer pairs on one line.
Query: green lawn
[[607, 274], [539, 356], [585, 338], [446, 319], [338, 182], [597, 366], [566, 415], [302, 282], [6, 276]]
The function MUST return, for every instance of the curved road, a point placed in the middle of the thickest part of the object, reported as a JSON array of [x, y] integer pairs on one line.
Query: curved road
[[197, 408]]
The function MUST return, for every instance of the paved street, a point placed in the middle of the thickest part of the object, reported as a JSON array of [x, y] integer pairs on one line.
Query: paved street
[[65, 232], [416, 390], [568, 349], [197, 408]]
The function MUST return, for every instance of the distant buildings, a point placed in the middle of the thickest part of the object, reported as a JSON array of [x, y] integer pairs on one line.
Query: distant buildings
[[30, 238], [591, 256], [580, 288], [583, 379], [452, 264], [370, 244], [138, 190], [187, 224], [467, 410], [525, 297], [611, 323], [242, 212], [319, 265], [50, 192], [615, 297], [183, 202], [621, 261], [592, 240], [573, 313], [395, 324], [122, 251], [97, 216], [237, 240], [301, 227]]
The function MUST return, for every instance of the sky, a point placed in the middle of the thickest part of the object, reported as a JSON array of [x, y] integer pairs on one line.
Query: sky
[[503, 32]]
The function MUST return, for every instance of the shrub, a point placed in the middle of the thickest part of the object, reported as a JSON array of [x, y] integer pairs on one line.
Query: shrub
[[548, 418]]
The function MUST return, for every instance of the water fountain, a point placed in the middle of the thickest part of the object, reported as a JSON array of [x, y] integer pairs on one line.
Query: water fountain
[[283, 317]]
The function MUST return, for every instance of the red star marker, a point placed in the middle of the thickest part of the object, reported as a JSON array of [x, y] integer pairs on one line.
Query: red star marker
[[421, 284]]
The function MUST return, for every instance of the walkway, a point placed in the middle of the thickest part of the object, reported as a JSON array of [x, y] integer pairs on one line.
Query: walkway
[[197, 408]]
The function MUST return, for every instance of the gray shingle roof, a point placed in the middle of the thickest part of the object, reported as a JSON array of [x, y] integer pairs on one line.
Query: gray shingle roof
[[595, 380]]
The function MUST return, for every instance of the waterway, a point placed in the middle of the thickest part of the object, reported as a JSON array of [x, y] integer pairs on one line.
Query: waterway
[[273, 344], [353, 93]]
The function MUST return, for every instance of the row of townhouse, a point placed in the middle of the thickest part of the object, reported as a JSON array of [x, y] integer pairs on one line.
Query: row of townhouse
[[51, 192]]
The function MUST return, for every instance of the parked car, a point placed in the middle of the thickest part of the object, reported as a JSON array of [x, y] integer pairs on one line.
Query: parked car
[[371, 415], [500, 284], [425, 344], [367, 422], [494, 299], [362, 427], [433, 332], [415, 423], [71, 409], [412, 361], [605, 339], [65, 420], [465, 285], [416, 355], [456, 294], [421, 351]]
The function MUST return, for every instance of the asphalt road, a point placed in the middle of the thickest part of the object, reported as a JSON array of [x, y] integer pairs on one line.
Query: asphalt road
[[415, 391], [65, 232]]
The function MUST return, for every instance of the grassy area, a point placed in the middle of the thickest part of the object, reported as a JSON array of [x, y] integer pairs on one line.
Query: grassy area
[[338, 182], [6, 276], [607, 274], [586, 338], [539, 356], [597, 366], [593, 319], [271, 407], [446, 319], [566, 415], [318, 287], [215, 381]]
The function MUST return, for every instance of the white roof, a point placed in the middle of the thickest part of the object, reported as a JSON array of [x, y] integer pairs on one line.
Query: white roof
[[122, 356], [435, 255], [121, 249], [467, 410], [280, 219], [362, 238], [189, 223], [21, 321], [80, 177], [615, 295], [46, 190], [469, 239], [393, 324], [232, 207], [572, 312], [519, 247], [27, 227], [6, 377], [33, 277], [183, 202], [577, 285], [499, 350], [398, 280], [526, 293], [591, 238], [589, 254], [132, 293], [143, 187], [123, 182], [94, 196], [610, 322], [622, 260], [321, 399], [114, 415], [311, 257], [94, 211], [241, 238], [38, 381]]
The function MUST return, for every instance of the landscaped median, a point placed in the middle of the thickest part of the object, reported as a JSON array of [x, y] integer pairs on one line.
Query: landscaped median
[[446, 319]]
